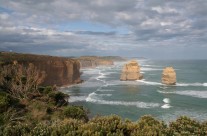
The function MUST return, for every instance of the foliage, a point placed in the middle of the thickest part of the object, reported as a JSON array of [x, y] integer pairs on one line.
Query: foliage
[[149, 126], [186, 126], [5, 101], [20, 81], [105, 125], [59, 98], [29, 110], [76, 112]]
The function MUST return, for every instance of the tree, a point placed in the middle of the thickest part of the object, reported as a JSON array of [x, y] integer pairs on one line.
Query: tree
[[20, 81]]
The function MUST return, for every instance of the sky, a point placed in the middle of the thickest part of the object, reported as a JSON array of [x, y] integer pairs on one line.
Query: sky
[[156, 29]]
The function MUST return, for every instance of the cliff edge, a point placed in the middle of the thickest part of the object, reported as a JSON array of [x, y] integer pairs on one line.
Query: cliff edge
[[59, 70], [94, 61]]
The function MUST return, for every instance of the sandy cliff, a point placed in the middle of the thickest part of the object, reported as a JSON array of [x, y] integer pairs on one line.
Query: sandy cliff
[[94, 61], [60, 71]]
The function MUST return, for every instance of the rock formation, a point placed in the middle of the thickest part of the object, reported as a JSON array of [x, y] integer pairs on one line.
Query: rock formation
[[131, 71], [169, 76], [59, 70]]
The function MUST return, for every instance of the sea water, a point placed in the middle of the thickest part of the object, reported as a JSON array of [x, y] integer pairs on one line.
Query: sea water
[[102, 93]]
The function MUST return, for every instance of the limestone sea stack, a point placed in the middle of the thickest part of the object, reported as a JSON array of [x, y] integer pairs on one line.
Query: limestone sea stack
[[169, 76], [131, 71]]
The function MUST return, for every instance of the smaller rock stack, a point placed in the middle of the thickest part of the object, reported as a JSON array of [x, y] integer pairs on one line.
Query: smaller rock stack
[[169, 76], [131, 72]]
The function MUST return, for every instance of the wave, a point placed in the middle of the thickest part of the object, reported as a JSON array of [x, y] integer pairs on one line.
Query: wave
[[166, 106], [166, 86], [198, 94], [93, 99], [104, 90], [163, 87], [165, 92], [90, 71], [150, 69], [149, 82], [118, 82], [166, 100], [77, 98], [191, 84], [105, 94]]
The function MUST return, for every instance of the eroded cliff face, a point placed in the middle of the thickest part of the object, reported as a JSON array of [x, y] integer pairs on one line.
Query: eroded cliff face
[[59, 71], [93, 61]]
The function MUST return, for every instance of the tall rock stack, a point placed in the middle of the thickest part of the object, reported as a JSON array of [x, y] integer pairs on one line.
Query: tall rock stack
[[169, 76], [131, 71]]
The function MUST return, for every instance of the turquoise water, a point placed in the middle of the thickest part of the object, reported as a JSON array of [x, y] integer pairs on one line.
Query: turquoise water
[[103, 94]]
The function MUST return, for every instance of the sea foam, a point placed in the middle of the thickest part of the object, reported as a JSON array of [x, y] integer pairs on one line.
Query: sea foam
[[94, 99], [149, 82], [192, 93]]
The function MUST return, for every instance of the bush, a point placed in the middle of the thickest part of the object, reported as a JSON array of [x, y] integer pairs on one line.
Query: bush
[[41, 130], [76, 112], [20, 81], [149, 126], [105, 125], [58, 98], [5, 101], [46, 90], [185, 126], [20, 129], [68, 127]]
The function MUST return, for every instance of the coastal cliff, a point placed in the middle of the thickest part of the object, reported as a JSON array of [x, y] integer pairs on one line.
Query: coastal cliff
[[94, 61], [59, 70]]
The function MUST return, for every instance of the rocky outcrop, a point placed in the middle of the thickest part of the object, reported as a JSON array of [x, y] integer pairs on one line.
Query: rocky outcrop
[[59, 70], [93, 61], [131, 71], [169, 76]]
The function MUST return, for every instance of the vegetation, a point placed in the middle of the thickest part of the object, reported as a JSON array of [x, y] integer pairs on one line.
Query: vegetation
[[27, 109]]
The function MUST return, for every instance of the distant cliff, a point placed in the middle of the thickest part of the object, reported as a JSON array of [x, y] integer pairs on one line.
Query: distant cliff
[[59, 70], [94, 61]]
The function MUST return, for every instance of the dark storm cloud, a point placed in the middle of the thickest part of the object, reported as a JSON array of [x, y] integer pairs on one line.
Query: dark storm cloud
[[149, 26]]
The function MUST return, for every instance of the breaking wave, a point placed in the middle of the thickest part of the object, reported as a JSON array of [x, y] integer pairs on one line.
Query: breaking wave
[[150, 69], [166, 100], [77, 98], [149, 82], [166, 106], [94, 99], [191, 84], [198, 94]]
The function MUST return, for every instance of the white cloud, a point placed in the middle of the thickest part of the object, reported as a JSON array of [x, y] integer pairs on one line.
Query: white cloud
[[152, 23]]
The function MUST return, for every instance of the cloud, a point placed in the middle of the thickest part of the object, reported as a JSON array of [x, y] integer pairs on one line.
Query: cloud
[[105, 27]]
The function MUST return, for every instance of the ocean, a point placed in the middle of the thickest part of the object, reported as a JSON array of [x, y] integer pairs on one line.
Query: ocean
[[102, 93]]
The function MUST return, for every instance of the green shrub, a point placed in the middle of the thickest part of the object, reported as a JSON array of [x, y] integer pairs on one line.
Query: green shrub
[[5, 100], [47, 90], [149, 126], [105, 125], [76, 112], [41, 130], [185, 126], [19, 129], [204, 128], [68, 127], [58, 98]]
